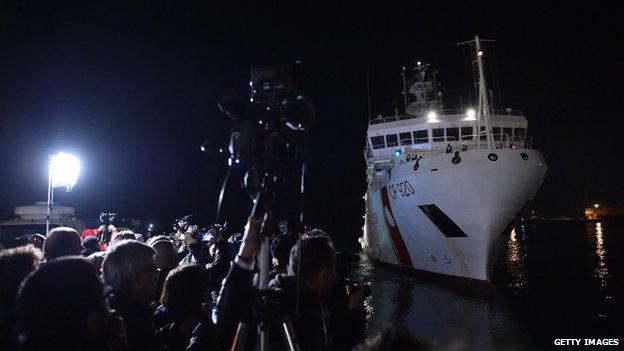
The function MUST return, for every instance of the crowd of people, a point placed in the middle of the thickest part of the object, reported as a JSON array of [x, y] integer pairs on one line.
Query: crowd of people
[[185, 291]]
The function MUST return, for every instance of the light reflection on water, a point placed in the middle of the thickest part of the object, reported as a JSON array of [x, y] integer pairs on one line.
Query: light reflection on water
[[516, 265], [548, 286], [445, 318], [602, 272]]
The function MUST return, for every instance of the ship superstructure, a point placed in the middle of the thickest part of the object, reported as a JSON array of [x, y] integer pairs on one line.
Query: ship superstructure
[[446, 186]]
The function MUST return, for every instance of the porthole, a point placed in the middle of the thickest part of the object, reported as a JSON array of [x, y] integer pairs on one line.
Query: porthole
[[493, 157]]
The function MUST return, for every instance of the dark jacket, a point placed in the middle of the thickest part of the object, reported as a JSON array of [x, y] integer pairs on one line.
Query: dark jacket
[[138, 321], [176, 329], [310, 322], [220, 265]]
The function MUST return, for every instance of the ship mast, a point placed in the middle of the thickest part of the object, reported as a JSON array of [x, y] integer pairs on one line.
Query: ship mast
[[483, 110]]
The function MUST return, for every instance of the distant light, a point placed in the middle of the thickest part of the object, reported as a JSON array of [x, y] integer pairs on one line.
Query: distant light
[[260, 122], [599, 225], [202, 148], [480, 53], [251, 83], [397, 153], [418, 63], [64, 170], [151, 226], [432, 117], [596, 206], [237, 161], [470, 115]]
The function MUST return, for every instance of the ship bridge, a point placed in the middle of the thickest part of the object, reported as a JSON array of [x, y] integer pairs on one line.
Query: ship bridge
[[443, 131]]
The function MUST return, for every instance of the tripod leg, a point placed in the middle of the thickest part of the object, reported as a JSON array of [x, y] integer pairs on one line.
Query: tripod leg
[[240, 337], [289, 335], [263, 340]]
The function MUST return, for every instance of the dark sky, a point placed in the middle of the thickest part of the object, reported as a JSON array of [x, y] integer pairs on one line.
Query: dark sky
[[133, 92]]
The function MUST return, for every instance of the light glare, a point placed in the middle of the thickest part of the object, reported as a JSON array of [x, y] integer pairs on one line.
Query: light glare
[[470, 115], [64, 170], [432, 117]]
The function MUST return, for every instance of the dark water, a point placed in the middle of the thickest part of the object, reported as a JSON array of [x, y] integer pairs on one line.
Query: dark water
[[555, 280]]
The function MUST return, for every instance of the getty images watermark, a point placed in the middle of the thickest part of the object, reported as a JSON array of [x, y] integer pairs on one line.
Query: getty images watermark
[[587, 342]]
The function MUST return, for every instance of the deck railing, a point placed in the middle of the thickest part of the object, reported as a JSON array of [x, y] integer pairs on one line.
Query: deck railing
[[380, 119]]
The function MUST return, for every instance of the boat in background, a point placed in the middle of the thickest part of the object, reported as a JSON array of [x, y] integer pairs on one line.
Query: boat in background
[[31, 219]]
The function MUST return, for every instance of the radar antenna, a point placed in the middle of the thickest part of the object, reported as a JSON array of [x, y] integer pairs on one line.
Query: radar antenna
[[420, 93]]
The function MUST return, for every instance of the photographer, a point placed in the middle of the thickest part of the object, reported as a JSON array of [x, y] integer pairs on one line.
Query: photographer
[[220, 253], [301, 296], [193, 249]]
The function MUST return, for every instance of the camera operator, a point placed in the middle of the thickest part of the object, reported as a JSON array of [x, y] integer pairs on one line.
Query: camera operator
[[300, 296], [345, 301]]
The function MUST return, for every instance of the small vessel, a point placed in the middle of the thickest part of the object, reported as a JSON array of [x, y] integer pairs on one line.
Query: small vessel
[[31, 219], [446, 187]]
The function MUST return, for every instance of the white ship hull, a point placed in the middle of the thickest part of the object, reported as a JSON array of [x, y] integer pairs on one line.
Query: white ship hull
[[449, 219]]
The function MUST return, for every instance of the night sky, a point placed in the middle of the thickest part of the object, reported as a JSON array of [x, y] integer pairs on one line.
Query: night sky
[[133, 91]]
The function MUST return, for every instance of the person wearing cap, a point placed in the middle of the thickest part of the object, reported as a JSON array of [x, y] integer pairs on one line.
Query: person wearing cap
[[91, 245], [166, 257]]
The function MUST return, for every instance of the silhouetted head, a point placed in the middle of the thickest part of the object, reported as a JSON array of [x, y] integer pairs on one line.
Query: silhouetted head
[[313, 260], [130, 268], [15, 264], [62, 241], [185, 288], [61, 305]]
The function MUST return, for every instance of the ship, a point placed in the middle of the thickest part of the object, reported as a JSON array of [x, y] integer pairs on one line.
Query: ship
[[445, 187]]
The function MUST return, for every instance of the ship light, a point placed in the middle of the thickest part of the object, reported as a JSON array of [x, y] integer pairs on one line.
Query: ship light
[[470, 115], [433, 117]]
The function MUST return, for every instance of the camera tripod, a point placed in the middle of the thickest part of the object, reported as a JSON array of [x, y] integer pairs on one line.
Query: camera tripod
[[266, 305]]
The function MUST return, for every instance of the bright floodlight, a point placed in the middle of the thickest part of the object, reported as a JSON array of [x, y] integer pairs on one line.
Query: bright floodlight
[[432, 116], [480, 53], [64, 170], [470, 115]]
